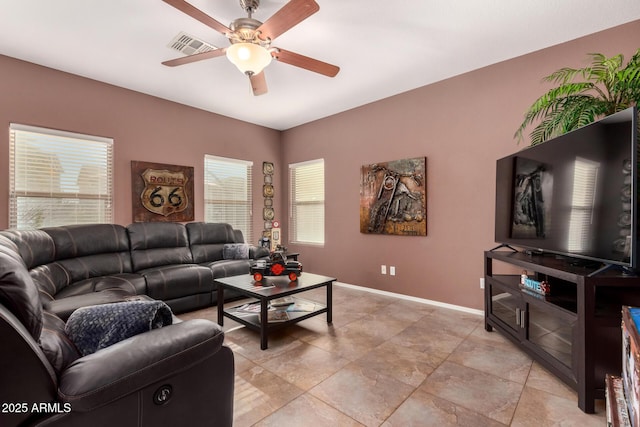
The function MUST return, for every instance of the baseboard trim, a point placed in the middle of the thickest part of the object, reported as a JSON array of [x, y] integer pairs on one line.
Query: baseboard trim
[[414, 299]]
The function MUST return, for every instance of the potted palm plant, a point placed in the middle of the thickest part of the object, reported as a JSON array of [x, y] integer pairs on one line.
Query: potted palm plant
[[583, 95]]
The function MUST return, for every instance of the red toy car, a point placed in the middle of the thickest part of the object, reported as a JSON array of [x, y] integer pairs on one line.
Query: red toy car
[[276, 265]]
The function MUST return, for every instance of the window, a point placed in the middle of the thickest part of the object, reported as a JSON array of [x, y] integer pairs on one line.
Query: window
[[306, 223], [227, 193], [58, 178]]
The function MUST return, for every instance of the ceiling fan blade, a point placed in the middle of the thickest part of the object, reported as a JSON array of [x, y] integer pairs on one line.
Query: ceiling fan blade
[[288, 16], [258, 83], [305, 62], [196, 13], [194, 58]]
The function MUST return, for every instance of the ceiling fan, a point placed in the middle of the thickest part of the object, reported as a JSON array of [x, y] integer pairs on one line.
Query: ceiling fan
[[250, 39]]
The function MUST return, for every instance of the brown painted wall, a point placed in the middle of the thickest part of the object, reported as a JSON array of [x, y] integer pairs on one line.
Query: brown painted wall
[[462, 125], [143, 127]]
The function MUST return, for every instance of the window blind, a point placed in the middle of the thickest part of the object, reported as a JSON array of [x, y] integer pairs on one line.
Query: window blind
[[58, 178], [306, 212], [227, 193]]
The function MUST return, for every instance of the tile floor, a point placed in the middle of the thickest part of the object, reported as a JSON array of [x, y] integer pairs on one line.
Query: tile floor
[[391, 362]]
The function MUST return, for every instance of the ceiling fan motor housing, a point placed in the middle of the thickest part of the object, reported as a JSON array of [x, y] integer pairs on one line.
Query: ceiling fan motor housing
[[244, 30]]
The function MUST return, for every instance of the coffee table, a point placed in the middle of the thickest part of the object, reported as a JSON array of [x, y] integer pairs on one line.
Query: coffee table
[[267, 290]]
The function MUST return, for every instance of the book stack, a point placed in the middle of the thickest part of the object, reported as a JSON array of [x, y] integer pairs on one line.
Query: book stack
[[623, 393], [280, 309]]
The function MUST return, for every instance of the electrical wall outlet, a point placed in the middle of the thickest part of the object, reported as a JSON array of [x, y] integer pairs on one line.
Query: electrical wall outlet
[[392, 271], [482, 283], [383, 269]]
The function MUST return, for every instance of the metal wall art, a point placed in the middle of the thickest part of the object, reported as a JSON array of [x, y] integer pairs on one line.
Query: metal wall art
[[161, 192], [393, 197], [268, 213]]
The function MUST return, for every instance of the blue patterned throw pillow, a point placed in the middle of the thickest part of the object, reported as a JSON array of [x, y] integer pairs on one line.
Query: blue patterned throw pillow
[[235, 251], [96, 327]]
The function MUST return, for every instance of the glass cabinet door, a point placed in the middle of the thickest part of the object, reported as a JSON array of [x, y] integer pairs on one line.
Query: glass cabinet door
[[506, 307], [552, 332]]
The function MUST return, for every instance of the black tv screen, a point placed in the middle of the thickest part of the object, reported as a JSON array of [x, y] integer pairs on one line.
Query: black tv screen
[[575, 194]]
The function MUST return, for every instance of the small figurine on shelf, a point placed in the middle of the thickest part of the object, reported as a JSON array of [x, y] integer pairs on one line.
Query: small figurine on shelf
[[265, 242]]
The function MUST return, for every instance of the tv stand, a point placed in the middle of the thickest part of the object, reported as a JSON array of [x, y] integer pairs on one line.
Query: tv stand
[[574, 332]]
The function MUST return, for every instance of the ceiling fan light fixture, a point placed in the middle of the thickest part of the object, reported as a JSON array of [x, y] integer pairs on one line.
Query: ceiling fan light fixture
[[250, 58]]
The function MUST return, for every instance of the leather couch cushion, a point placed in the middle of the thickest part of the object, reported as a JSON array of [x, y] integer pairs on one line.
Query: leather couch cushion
[[55, 343], [86, 267], [175, 281], [19, 294], [91, 250], [73, 241], [130, 283], [207, 240], [35, 246], [63, 307], [158, 243], [50, 279], [228, 268]]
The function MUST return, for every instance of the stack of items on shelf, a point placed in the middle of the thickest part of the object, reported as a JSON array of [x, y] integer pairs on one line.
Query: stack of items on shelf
[[279, 309], [623, 393], [535, 286]]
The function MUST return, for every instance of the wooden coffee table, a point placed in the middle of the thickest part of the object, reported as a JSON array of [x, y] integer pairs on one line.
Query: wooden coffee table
[[264, 292]]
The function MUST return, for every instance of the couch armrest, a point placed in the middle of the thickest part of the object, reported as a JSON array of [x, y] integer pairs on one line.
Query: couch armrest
[[123, 368]]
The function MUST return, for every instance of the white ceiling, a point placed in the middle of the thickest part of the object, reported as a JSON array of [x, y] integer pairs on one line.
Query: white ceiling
[[383, 47]]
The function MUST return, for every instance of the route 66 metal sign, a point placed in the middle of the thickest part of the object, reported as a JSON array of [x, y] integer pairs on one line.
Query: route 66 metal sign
[[163, 192]]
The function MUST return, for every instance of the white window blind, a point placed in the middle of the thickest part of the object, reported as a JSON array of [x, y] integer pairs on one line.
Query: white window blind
[[58, 178], [306, 223], [227, 193]]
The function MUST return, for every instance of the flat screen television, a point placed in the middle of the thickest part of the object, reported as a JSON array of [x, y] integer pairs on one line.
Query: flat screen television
[[575, 195]]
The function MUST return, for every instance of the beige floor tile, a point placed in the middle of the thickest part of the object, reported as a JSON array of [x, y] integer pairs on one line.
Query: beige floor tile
[[258, 393], [541, 379], [365, 395], [487, 394], [437, 343], [305, 365], [422, 409], [307, 410], [402, 363], [510, 364], [541, 409], [351, 341]]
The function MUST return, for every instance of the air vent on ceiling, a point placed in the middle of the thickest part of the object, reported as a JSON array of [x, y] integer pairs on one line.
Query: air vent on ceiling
[[189, 45]]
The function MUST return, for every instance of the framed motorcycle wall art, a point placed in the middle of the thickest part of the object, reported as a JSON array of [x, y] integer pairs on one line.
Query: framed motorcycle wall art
[[393, 197], [161, 192]]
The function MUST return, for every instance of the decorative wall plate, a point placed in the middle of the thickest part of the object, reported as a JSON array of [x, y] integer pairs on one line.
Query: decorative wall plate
[[267, 168], [267, 190], [268, 214]]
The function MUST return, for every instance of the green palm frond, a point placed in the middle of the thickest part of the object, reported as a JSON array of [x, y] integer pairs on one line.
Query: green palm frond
[[583, 95]]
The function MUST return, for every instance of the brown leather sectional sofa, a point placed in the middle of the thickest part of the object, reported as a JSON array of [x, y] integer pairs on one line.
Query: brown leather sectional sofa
[[80, 265], [179, 374]]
